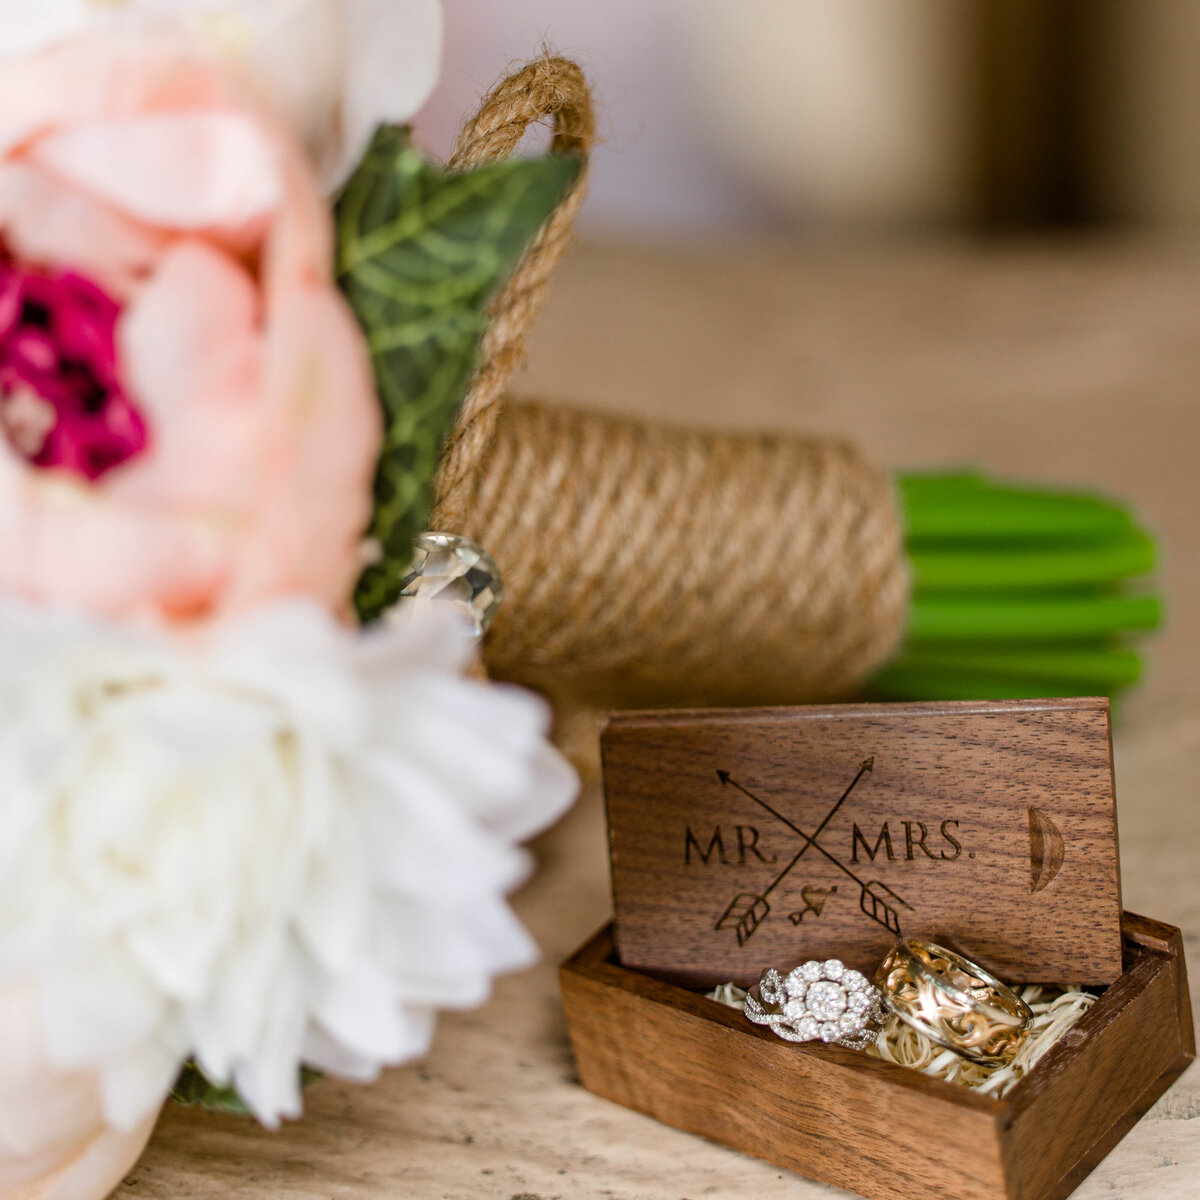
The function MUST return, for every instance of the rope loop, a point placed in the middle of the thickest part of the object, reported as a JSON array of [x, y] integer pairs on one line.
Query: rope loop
[[554, 89]]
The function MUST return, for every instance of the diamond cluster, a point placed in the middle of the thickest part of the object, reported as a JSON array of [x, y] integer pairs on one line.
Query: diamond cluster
[[817, 1000]]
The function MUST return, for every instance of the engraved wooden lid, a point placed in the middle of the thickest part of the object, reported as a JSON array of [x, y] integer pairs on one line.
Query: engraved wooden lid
[[747, 838]]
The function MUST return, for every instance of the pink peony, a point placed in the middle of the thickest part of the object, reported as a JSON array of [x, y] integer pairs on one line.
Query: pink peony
[[187, 418], [55, 1143]]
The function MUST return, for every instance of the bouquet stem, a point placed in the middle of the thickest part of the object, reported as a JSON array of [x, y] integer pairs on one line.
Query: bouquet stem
[[1019, 592]]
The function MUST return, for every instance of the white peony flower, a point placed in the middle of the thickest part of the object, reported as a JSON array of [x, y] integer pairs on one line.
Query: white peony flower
[[277, 842], [339, 68]]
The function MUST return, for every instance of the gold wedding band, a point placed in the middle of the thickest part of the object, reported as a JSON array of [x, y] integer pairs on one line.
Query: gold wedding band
[[953, 1001]]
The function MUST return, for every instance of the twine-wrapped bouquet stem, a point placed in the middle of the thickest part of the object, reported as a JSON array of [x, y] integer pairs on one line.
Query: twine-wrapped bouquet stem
[[646, 564]]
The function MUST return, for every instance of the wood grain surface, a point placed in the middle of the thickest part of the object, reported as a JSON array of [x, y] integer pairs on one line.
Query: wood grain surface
[[746, 838], [1077, 362], [872, 1127], [1090, 1089]]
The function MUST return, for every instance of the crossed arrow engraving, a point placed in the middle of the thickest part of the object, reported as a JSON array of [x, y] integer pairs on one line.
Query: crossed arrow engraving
[[748, 910]]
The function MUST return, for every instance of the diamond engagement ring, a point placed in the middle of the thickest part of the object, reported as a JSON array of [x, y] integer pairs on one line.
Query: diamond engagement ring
[[953, 1001], [817, 1001]]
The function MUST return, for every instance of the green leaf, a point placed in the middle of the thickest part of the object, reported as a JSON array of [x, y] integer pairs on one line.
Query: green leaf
[[195, 1089], [421, 253]]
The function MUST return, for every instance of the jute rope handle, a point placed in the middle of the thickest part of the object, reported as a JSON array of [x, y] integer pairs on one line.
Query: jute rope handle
[[645, 564], [548, 88]]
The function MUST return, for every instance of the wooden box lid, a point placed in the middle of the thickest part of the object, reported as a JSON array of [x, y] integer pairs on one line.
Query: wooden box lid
[[752, 837]]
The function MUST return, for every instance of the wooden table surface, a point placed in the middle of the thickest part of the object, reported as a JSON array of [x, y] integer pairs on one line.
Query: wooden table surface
[[1078, 363]]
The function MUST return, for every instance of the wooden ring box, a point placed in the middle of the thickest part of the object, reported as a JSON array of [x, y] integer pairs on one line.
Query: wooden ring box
[[644, 1040]]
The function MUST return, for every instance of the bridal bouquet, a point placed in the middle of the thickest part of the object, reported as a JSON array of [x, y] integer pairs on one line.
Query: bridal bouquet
[[246, 830]]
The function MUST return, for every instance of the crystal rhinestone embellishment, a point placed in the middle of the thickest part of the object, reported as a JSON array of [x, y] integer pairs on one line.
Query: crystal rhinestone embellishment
[[450, 569], [817, 1000]]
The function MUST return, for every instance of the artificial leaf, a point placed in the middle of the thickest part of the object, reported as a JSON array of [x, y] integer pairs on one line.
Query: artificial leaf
[[194, 1088], [421, 253]]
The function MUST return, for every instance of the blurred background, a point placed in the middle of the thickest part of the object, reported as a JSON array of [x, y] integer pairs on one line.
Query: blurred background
[[862, 117]]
